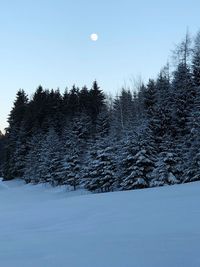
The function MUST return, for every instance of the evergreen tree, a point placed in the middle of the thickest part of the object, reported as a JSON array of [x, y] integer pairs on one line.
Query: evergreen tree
[[51, 159], [84, 100], [165, 171], [75, 138], [192, 157], [16, 138], [138, 162], [101, 170], [183, 98], [150, 99], [73, 101], [38, 110], [196, 60], [2, 152], [124, 112], [54, 115], [97, 101], [34, 171]]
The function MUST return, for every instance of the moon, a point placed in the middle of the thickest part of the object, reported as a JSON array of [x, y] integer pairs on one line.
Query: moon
[[94, 37]]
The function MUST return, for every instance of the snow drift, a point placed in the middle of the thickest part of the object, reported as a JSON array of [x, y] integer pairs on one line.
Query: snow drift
[[44, 226]]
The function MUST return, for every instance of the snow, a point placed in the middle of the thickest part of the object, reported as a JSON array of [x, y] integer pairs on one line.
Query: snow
[[44, 226]]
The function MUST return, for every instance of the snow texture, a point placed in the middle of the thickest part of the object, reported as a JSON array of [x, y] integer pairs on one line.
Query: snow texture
[[44, 226]]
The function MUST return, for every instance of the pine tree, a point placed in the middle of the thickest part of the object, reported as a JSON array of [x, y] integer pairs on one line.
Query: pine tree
[[65, 103], [33, 168], [101, 169], [103, 123], [100, 163], [19, 154], [192, 157], [138, 162], [71, 164], [75, 138], [73, 101], [183, 98], [124, 113], [2, 152], [51, 159], [38, 110], [54, 115], [196, 60], [97, 101], [84, 100], [16, 138], [165, 171], [150, 99], [157, 106]]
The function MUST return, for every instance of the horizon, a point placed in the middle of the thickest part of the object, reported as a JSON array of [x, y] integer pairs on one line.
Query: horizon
[[49, 43]]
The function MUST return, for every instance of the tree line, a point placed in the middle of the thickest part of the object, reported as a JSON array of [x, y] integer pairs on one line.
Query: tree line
[[143, 138]]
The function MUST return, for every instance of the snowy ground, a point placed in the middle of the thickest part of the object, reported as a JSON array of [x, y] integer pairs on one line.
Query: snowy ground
[[45, 227]]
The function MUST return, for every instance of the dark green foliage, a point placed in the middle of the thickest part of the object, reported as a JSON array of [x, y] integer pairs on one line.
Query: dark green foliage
[[97, 99], [150, 95], [138, 162], [2, 151], [165, 171], [16, 138], [73, 101], [196, 60], [183, 98], [124, 112], [146, 138], [192, 166], [101, 171]]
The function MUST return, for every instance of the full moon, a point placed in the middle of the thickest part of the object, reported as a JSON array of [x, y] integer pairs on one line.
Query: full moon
[[94, 37]]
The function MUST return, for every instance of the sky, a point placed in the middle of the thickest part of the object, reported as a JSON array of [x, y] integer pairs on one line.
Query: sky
[[47, 42]]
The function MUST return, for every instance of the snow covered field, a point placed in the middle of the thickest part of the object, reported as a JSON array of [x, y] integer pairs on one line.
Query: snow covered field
[[48, 227]]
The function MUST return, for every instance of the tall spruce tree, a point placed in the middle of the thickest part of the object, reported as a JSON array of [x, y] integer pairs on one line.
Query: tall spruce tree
[[2, 151], [97, 101], [183, 98], [192, 157], [196, 60], [16, 138], [138, 161]]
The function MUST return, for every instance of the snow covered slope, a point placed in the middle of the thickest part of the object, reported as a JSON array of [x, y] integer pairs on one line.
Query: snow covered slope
[[45, 227]]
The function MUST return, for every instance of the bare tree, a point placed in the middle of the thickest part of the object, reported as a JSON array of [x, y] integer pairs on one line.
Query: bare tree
[[183, 51]]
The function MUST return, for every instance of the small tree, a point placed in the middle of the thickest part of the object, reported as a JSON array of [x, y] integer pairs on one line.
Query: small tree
[[138, 162]]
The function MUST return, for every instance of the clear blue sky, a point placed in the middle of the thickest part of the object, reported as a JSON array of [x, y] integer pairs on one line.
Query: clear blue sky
[[47, 42]]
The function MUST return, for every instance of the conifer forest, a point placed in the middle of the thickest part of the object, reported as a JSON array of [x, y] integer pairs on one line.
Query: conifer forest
[[144, 137]]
